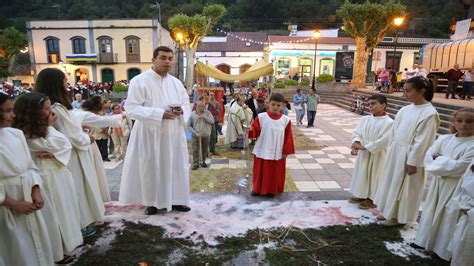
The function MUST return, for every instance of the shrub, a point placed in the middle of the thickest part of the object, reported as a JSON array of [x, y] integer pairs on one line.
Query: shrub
[[279, 85], [291, 82], [262, 85], [119, 87], [325, 78], [304, 82]]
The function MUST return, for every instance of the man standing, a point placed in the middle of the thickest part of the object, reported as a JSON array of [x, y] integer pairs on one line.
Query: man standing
[[76, 104], [313, 101], [155, 171], [453, 75], [252, 103]]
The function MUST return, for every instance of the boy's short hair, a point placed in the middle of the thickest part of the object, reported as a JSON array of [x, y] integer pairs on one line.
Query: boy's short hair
[[277, 97], [379, 98], [162, 49], [201, 97]]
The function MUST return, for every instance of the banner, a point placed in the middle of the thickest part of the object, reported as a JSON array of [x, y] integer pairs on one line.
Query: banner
[[344, 65]]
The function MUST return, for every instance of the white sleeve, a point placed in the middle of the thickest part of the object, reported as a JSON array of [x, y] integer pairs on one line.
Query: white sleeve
[[425, 135], [357, 132], [101, 121], [134, 106], [445, 166], [54, 143], [382, 142], [73, 131]]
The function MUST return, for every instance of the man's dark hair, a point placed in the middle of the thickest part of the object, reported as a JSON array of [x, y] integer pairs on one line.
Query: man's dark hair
[[162, 49], [277, 97], [379, 98], [93, 104]]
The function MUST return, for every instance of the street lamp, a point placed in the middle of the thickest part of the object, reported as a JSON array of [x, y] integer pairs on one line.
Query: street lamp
[[180, 38], [316, 35], [397, 22]]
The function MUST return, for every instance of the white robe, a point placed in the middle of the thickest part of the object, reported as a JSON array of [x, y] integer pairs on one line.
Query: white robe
[[156, 167], [434, 231], [24, 239], [373, 134], [58, 183], [414, 130], [91, 204], [462, 242], [98, 121], [236, 119]]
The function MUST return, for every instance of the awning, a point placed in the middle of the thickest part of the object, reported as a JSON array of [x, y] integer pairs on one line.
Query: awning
[[81, 57], [259, 69]]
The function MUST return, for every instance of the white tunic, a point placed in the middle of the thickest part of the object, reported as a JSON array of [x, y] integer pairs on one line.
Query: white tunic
[[236, 119], [156, 167], [24, 239], [399, 194], [58, 183], [373, 133], [434, 232], [462, 242], [91, 204], [269, 145], [98, 121]]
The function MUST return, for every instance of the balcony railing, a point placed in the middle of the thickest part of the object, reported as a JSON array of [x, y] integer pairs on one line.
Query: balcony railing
[[108, 58], [133, 58]]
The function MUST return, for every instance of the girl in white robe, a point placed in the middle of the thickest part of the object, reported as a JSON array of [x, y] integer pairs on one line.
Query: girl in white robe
[[24, 239], [370, 140], [462, 205], [445, 161], [52, 83], [52, 151], [400, 192]]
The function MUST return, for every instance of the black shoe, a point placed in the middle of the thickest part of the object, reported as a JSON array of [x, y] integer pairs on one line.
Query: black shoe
[[180, 208], [269, 195], [151, 210], [447, 97], [413, 245], [453, 98], [66, 260], [254, 194], [194, 167], [106, 160], [204, 165]]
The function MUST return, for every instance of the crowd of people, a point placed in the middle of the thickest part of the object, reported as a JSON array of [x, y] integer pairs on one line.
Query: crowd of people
[[52, 151]]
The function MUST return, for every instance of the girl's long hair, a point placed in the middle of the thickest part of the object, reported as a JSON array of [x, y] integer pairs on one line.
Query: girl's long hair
[[50, 82], [28, 115], [3, 99]]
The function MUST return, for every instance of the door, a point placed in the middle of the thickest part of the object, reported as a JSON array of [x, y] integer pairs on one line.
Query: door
[[393, 60], [107, 75], [132, 72], [242, 69]]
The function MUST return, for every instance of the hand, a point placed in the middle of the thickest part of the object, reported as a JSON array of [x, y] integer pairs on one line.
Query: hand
[[436, 155], [21, 206], [91, 138], [354, 151], [244, 106], [44, 155], [356, 145], [52, 118], [199, 135], [411, 170], [37, 198], [177, 111], [169, 115], [86, 129], [124, 115]]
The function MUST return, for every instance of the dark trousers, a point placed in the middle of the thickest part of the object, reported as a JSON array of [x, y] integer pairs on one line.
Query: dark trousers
[[204, 149], [213, 138], [466, 90], [452, 87], [102, 144], [311, 116]]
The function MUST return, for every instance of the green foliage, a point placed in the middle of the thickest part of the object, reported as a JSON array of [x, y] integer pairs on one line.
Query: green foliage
[[118, 87], [262, 85], [325, 78], [11, 42], [279, 85], [291, 82], [304, 82]]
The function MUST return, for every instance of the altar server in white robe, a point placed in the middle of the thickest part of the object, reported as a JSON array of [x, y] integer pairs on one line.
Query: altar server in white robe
[[156, 168], [88, 117], [462, 206], [369, 143], [52, 83], [51, 152], [445, 161], [24, 239], [414, 130]]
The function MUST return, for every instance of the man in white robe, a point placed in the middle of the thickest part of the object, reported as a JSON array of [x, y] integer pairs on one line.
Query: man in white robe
[[155, 171]]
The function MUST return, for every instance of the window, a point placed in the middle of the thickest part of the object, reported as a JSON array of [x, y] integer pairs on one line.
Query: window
[[105, 44], [305, 67], [52, 49], [78, 45], [283, 66], [326, 66], [132, 46]]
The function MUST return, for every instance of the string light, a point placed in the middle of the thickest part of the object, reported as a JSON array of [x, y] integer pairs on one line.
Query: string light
[[260, 42]]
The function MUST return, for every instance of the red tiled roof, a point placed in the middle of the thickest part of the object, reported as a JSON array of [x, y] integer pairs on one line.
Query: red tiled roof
[[234, 44], [327, 40]]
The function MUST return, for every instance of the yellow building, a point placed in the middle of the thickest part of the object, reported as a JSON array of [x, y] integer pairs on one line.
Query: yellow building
[[95, 50]]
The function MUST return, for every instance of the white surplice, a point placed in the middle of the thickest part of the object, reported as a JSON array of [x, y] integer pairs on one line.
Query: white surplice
[[434, 232], [58, 183], [81, 165], [236, 119], [98, 121], [156, 167], [462, 242], [413, 132], [24, 239], [373, 133]]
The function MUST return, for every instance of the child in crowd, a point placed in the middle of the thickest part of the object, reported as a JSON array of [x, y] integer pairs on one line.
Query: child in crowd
[[51, 153], [274, 142], [200, 124], [52, 82], [445, 161], [24, 237], [120, 134], [369, 142], [414, 130], [461, 206]]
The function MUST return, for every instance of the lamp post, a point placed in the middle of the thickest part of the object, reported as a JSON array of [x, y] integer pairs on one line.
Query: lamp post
[[316, 35], [398, 21], [179, 37]]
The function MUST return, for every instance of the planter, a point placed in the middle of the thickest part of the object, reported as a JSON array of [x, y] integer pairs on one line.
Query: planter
[[119, 95], [331, 87]]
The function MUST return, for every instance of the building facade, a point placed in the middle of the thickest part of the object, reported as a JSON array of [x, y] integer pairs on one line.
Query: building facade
[[95, 50]]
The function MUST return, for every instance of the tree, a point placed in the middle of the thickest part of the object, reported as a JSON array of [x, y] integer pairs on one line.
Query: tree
[[192, 30], [368, 23], [11, 42]]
